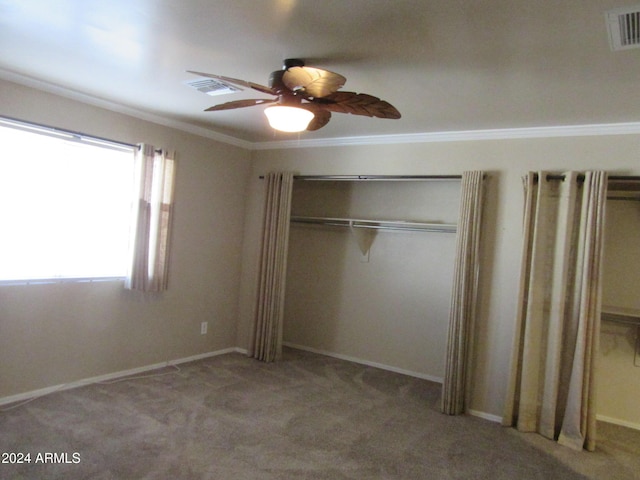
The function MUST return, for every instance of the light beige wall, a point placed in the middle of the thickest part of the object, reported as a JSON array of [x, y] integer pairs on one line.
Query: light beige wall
[[505, 161], [53, 334], [619, 367]]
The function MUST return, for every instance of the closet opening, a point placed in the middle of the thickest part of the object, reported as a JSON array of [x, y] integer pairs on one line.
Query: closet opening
[[619, 357], [370, 269]]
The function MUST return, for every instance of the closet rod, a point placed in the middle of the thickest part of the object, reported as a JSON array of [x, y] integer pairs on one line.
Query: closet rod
[[375, 177], [377, 224]]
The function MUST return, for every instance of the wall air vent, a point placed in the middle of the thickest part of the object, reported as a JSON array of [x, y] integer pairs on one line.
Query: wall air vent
[[623, 25], [212, 87]]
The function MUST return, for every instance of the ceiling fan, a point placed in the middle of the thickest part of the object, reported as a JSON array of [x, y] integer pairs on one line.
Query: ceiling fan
[[309, 92]]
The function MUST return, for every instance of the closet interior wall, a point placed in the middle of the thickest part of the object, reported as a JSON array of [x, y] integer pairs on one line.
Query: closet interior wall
[[384, 299], [618, 373]]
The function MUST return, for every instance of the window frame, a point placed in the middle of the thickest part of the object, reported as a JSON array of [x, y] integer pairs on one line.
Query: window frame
[[73, 136]]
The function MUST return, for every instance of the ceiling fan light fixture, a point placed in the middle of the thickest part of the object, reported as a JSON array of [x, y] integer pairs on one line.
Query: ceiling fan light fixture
[[288, 119], [305, 98]]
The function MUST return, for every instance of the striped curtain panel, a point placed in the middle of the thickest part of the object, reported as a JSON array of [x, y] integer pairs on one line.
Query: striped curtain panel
[[149, 266], [464, 294], [552, 383], [266, 342]]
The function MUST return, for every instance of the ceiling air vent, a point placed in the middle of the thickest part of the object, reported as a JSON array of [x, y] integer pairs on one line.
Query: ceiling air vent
[[623, 25], [212, 87]]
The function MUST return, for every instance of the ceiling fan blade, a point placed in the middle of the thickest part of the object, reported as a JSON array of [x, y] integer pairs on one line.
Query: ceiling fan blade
[[321, 116], [313, 82], [240, 104], [236, 81], [358, 104]]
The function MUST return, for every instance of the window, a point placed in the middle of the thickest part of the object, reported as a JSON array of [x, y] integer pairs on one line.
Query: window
[[65, 205]]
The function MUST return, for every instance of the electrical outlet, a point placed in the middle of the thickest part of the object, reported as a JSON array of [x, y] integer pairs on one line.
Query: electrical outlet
[[203, 328]]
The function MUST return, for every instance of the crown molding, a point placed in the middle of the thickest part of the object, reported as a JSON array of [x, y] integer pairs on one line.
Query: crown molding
[[119, 108], [630, 128]]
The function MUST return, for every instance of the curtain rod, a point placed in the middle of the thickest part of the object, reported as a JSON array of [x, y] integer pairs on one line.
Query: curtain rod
[[139, 146], [580, 177], [58, 132], [374, 177], [48, 130]]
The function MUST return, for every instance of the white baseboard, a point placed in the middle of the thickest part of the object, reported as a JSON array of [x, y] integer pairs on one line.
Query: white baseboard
[[112, 376], [486, 416], [134, 371], [200, 356], [381, 366], [602, 418], [616, 421]]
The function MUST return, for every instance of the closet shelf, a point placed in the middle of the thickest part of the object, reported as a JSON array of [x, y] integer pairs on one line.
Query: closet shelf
[[377, 224], [630, 316]]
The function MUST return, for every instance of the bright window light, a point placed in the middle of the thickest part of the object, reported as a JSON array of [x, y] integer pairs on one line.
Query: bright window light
[[65, 207]]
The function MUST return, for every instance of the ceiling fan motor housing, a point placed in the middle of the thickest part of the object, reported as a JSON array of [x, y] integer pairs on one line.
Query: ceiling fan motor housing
[[292, 62], [286, 96], [275, 81]]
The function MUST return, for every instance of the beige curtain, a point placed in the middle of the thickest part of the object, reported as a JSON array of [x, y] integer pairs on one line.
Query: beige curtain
[[154, 181], [266, 342], [464, 295], [552, 384]]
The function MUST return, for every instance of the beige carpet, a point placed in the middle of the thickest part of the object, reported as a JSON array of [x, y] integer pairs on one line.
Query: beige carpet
[[307, 417]]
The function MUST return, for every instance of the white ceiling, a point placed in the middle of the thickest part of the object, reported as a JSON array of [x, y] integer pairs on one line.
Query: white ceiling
[[447, 65]]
